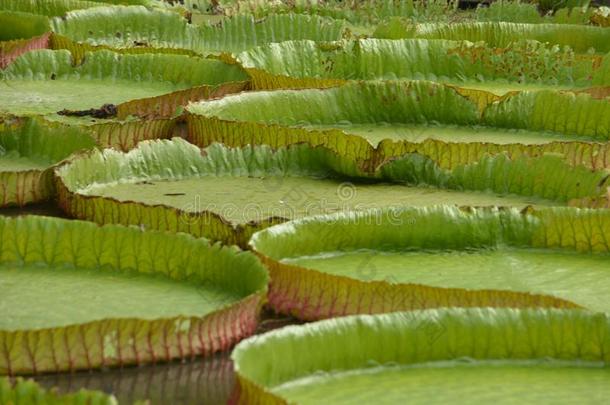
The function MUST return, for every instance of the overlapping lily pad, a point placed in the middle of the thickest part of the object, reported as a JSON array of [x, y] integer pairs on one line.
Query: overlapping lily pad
[[373, 122], [485, 355], [522, 65], [27, 392], [417, 258], [45, 82], [113, 90], [226, 194], [126, 28], [66, 284], [61, 7], [28, 153], [580, 38]]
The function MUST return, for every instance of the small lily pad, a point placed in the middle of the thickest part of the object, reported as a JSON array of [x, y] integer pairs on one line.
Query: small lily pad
[[522, 65], [128, 27], [581, 38], [377, 121], [149, 85]]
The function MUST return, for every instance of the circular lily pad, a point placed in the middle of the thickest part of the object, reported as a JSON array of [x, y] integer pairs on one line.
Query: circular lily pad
[[57, 8], [123, 99], [226, 194], [525, 65], [480, 355], [28, 152], [129, 27], [416, 258], [580, 38], [151, 85], [78, 296], [375, 121]]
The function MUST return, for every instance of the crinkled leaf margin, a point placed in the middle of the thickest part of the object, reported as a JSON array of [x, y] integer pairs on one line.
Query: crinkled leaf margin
[[416, 337], [123, 341], [310, 294]]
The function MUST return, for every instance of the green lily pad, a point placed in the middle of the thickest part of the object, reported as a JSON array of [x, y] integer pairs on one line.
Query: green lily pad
[[226, 194], [123, 28], [144, 92], [523, 65], [358, 12], [44, 82], [479, 355], [416, 258], [79, 296], [376, 121], [27, 392], [580, 38], [28, 153], [59, 8]]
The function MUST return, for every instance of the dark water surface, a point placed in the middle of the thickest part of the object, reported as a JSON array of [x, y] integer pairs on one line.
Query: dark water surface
[[200, 381]]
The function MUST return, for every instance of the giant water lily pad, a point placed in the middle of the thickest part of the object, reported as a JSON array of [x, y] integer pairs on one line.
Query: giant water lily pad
[[28, 153], [392, 260], [125, 28], [580, 38], [226, 194], [122, 99], [59, 8], [523, 65], [78, 296], [374, 121], [45, 82], [480, 355]]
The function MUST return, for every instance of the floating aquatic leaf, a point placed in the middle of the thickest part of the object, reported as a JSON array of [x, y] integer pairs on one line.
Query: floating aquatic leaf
[[524, 65], [29, 151], [416, 258], [149, 85], [65, 286], [373, 122], [481, 355], [227, 194]]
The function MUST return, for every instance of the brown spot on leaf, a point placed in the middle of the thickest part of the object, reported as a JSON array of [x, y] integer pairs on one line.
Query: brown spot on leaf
[[105, 111]]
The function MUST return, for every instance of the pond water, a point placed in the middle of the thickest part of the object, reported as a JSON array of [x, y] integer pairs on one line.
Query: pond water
[[201, 381]]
